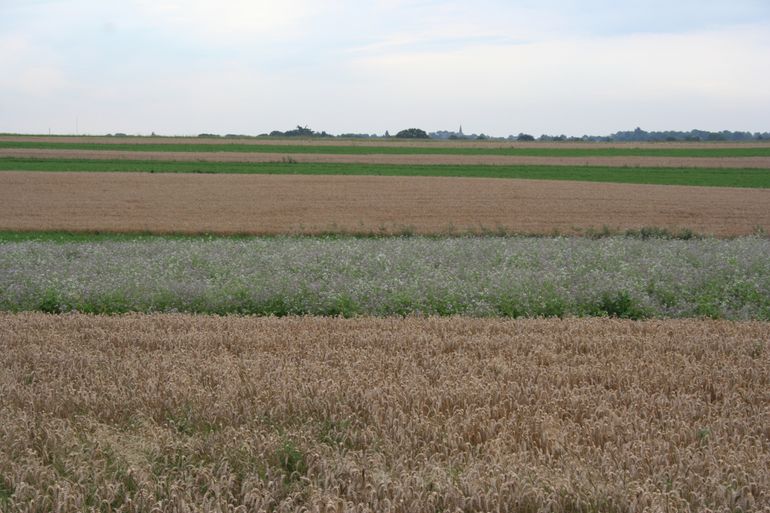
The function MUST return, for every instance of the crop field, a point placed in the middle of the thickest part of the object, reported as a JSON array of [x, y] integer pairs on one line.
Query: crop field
[[190, 413], [406, 145], [276, 204], [475, 276], [692, 176], [587, 150], [419, 159], [273, 325]]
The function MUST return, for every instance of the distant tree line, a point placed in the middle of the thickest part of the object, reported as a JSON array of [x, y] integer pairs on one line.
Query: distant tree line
[[635, 135], [693, 135], [624, 136]]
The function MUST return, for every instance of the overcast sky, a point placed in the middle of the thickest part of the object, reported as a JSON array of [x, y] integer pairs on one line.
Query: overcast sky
[[498, 67]]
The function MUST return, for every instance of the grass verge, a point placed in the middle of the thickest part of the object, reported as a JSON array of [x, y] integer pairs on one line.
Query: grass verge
[[649, 232]]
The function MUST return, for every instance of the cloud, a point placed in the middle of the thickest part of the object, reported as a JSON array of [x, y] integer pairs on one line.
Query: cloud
[[586, 84], [244, 66], [231, 21], [29, 69]]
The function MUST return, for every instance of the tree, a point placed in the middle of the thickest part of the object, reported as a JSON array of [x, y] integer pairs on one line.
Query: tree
[[300, 131], [413, 133], [525, 137]]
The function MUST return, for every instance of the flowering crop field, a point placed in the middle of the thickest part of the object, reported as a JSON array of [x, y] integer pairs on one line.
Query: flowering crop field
[[179, 413], [475, 276]]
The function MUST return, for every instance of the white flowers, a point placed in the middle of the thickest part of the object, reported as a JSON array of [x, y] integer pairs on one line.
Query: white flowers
[[382, 276]]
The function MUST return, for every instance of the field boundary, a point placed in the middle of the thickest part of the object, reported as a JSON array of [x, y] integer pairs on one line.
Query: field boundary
[[591, 232]]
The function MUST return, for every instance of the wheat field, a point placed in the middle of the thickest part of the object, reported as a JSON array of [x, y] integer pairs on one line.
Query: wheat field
[[280, 204], [178, 413]]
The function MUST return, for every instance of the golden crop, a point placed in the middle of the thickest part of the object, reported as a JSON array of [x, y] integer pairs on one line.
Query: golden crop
[[143, 413], [304, 204]]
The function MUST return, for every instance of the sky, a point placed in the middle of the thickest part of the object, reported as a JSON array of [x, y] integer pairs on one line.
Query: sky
[[574, 67]]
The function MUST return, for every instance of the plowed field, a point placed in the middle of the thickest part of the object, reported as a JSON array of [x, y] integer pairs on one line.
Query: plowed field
[[271, 204]]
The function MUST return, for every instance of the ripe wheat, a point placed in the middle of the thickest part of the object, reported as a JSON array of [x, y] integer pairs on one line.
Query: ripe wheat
[[180, 413]]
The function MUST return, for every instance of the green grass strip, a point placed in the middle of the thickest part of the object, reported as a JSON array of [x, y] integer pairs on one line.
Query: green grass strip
[[66, 237], [72, 237], [400, 150], [746, 178]]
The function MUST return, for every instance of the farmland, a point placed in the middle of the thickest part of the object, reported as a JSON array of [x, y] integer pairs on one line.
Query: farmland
[[11, 140], [170, 412], [532, 327], [394, 276], [275, 204], [698, 164], [419, 159], [281, 165], [588, 150]]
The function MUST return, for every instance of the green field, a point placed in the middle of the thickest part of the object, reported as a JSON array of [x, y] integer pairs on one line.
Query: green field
[[400, 150], [747, 178]]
